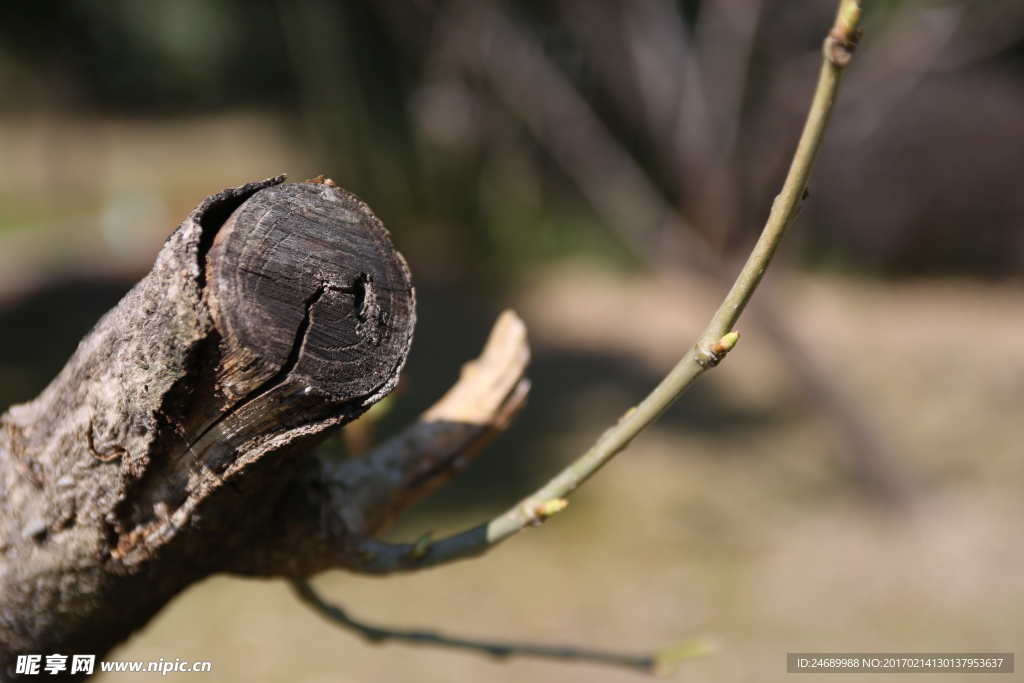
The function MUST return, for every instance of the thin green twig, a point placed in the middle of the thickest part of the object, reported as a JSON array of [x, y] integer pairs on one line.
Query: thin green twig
[[716, 340]]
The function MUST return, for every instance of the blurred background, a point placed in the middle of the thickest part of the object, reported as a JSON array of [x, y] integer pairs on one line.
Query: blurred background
[[849, 481]]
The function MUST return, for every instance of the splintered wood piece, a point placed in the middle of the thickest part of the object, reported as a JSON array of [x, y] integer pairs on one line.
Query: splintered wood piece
[[373, 490], [336, 506]]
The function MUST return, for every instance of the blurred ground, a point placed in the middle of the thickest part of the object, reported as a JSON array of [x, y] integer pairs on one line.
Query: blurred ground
[[732, 518], [87, 196]]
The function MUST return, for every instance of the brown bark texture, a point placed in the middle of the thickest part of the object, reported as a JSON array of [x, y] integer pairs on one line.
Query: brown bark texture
[[177, 440]]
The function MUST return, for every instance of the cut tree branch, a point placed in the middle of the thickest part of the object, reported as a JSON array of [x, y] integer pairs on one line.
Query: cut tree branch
[[166, 446]]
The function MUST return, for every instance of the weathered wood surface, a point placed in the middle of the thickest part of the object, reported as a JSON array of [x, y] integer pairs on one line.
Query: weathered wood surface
[[177, 436]]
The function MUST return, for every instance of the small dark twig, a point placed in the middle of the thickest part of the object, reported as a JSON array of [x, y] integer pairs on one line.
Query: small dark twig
[[646, 663]]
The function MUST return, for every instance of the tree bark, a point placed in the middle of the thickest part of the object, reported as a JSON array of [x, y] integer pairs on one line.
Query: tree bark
[[177, 436]]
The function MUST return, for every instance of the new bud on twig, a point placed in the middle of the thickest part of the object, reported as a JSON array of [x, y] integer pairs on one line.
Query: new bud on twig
[[422, 546], [842, 39], [710, 356], [725, 344], [549, 508]]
